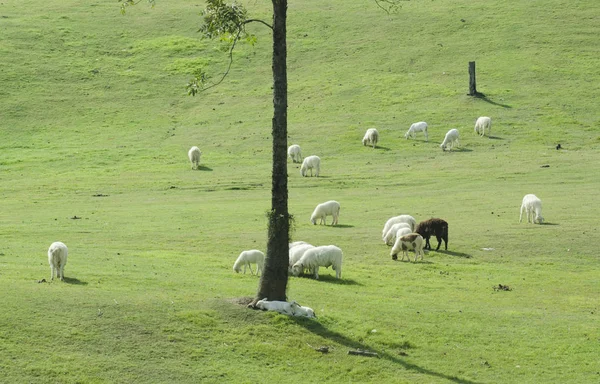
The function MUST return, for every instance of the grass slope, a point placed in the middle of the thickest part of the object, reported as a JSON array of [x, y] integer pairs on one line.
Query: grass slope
[[95, 130]]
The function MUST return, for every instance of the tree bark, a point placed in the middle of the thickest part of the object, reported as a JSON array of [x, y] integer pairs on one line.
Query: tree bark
[[472, 80], [273, 281]]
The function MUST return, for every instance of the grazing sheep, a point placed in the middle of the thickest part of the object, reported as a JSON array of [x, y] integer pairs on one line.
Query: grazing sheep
[[329, 208], [399, 219], [412, 241], [390, 236], [450, 140], [282, 307], [371, 137], [57, 258], [302, 311], [532, 206], [482, 124], [294, 153], [296, 254], [247, 257], [421, 126], [324, 256], [434, 227], [401, 232], [311, 162], [295, 243], [194, 156]]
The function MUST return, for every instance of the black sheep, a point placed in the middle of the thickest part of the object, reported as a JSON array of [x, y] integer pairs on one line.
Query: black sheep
[[433, 227]]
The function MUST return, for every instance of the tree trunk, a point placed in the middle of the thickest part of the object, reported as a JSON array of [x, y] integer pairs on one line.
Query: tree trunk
[[472, 80], [273, 281]]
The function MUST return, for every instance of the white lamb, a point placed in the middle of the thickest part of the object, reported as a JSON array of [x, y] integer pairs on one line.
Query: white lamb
[[194, 156], [57, 258], [302, 311], [294, 153], [282, 307], [482, 124], [311, 162], [399, 219], [421, 126], [371, 137], [532, 206], [296, 254], [295, 243], [246, 258], [390, 236], [450, 140], [329, 208], [412, 241], [324, 256]]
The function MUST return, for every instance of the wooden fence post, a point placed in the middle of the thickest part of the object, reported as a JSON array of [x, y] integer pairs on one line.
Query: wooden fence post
[[472, 81]]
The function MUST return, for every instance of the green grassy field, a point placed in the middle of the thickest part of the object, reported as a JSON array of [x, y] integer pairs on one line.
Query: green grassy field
[[95, 126]]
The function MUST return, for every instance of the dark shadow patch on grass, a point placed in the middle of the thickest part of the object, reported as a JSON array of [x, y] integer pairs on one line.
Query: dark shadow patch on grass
[[329, 279], [204, 168], [382, 148], [320, 330], [342, 226], [483, 97], [547, 223], [457, 254], [496, 138], [74, 281]]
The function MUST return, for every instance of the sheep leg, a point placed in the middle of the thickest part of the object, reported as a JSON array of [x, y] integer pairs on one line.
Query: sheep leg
[[251, 271], [317, 272], [51, 272]]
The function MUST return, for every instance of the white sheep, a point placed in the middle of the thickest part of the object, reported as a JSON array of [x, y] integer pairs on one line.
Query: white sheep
[[450, 140], [295, 243], [194, 156], [296, 253], [482, 124], [411, 241], [399, 219], [371, 137], [311, 162], [390, 236], [324, 256], [282, 307], [302, 311], [246, 258], [532, 206], [294, 153], [329, 208], [421, 126], [57, 258]]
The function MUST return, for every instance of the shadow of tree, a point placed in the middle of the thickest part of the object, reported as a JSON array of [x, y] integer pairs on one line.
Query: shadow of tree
[[322, 331], [331, 279], [483, 97], [74, 281], [343, 226]]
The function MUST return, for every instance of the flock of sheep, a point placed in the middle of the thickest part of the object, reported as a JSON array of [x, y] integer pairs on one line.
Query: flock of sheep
[[401, 232]]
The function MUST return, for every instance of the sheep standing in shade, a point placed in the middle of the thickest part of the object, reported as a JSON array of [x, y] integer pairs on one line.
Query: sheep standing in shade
[[311, 162], [450, 140], [57, 258], [371, 137], [532, 206], [246, 258], [390, 236], [296, 254], [399, 219], [482, 124], [412, 241], [324, 256], [421, 126], [329, 208], [194, 156], [294, 153], [282, 307], [434, 227]]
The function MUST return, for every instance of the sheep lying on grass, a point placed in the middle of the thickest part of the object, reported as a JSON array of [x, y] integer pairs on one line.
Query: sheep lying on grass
[[296, 254], [434, 227], [194, 156], [399, 219], [532, 206], [324, 256], [371, 137], [282, 307], [302, 311], [482, 124], [246, 258], [450, 140], [421, 126], [311, 162], [412, 241], [390, 236], [294, 153], [57, 258], [329, 208]]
